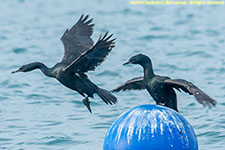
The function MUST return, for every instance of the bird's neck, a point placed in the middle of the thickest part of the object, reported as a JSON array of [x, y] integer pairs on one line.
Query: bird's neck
[[44, 69], [148, 70]]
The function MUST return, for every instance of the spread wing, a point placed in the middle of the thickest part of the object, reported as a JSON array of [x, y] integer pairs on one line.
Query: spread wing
[[133, 84], [90, 59], [77, 39], [192, 89]]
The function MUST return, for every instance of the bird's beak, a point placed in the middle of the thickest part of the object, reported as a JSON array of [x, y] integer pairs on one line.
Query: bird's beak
[[127, 63], [16, 71]]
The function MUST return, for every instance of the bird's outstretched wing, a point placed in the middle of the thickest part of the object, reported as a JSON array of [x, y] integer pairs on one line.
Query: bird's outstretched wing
[[192, 89], [133, 84], [90, 59], [77, 39]]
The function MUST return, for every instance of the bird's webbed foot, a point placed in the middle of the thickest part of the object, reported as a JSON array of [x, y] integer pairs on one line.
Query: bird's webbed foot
[[86, 102]]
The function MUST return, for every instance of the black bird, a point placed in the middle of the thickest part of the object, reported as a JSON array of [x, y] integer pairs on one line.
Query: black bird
[[80, 56], [161, 88]]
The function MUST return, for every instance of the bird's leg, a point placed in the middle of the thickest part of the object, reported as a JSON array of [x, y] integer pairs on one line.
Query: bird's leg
[[86, 102]]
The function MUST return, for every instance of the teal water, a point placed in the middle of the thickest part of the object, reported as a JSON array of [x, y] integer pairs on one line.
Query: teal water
[[37, 112]]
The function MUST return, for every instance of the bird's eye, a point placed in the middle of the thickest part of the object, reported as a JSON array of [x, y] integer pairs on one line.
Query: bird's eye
[[22, 67]]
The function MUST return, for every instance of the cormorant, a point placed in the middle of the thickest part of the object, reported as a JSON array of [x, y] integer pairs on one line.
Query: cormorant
[[80, 56], [161, 88]]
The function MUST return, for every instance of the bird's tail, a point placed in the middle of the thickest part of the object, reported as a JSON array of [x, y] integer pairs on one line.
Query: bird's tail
[[106, 96]]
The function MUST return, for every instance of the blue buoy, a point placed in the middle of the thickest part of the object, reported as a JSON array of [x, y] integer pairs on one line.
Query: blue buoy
[[150, 127]]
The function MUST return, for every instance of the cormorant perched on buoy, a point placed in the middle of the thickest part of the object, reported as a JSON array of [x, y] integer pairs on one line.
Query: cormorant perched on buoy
[[161, 88], [80, 56]]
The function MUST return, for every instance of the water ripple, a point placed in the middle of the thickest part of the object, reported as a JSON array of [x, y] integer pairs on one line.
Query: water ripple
[[19, 50]]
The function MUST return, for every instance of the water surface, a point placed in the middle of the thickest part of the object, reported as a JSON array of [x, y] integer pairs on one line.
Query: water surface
[[37, 112]]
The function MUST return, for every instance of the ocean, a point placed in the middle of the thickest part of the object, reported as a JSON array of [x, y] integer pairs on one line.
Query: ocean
[[38, 113]]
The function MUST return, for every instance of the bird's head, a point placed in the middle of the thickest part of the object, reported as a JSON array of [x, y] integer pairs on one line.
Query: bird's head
[[26, 68], [138, 59]]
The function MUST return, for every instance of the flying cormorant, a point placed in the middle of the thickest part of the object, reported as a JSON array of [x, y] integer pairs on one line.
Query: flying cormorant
[[80, 56], [161, 88]]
